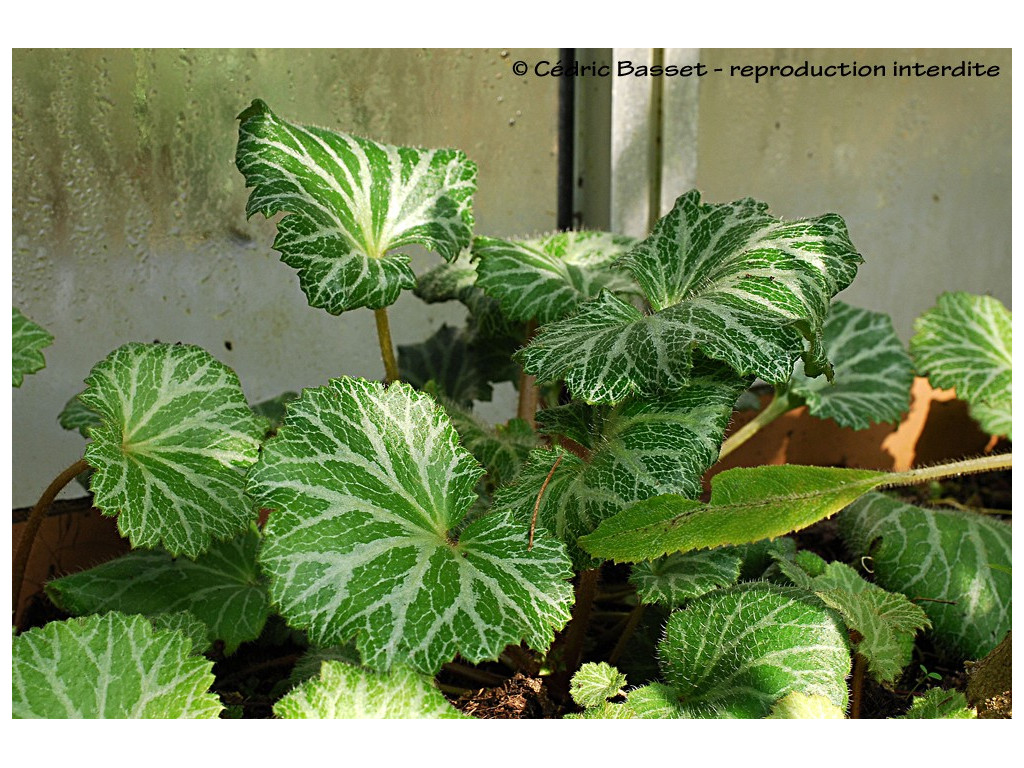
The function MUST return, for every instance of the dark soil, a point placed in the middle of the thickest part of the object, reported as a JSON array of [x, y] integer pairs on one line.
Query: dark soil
[[517, 698]]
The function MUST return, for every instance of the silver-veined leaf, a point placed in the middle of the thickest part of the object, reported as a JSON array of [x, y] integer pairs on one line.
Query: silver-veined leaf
[[965, 343], [109, 666], [78, 416], [367, 484], [640, 448], [502, 449], [676, 578], [943, 555], [343, 691], [595, 683], [545, 278], [351, 202], [873, 373], [885, 621], [735, 652], [176, 434], [222, 588], [940, 704], [187, 624], [27, 344], [747, 504], [729, 279]]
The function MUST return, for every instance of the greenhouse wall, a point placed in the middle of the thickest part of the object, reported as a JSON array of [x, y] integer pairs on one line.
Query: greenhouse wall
[[129, 223]]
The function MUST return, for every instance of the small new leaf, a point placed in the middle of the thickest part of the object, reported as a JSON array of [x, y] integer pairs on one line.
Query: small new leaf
[[940, 704], [343, 691], [168, 458], [595, 683], [27, 343], [109, 666], [349, 203]]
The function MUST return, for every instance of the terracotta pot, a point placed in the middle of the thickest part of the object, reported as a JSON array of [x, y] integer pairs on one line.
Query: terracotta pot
[[73, 537], [937, 428]]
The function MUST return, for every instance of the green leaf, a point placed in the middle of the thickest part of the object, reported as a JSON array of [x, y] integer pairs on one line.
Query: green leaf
[[940, 555], [937, 703], [110, 666], [798, 705], [453, 280], [176, 433], [222, 588], [366, 485], [273, 410], [27, 344], [78, 416], [350, 203], [873, 373], [965, 343], [747, 504], [676, 578], [604, 711], [309, 663], [346, 692], [641, 448], [502, 449], [735, 652], [545, 278], [886, 621], [187, 624], [447, 360], [741, 286], [593, 684]]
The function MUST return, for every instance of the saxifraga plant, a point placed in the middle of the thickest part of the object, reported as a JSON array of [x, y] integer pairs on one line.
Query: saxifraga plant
[[405, 538]]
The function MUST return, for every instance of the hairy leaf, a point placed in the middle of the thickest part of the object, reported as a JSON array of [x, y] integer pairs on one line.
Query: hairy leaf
[[350, 203], [735, 652], [674, 579], [741, 286], [545, 278], [886, 621], [27, 346], [965, 342], [937, 704], [367, 484], [222, 588], [593, 684], [176, 433], [873, 373], [344, 692], [78, 416], [798, 705], [942, 555], [109, 666], [747, 504], [641, 448]]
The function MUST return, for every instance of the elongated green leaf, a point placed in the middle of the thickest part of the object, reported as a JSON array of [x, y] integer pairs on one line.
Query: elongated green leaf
[[110, 666], [745, 288], [593, 684], [943, 555], [747, 504], [27, 343], [367, 485], [176, 433], [939, 704], [873, 373], [676, 578], [545, 278], [798, 705], [735, 652], [350, 203], [965, 342], [886, 621], [641, 448], [446, 359], [222, 588], [344, 692]]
